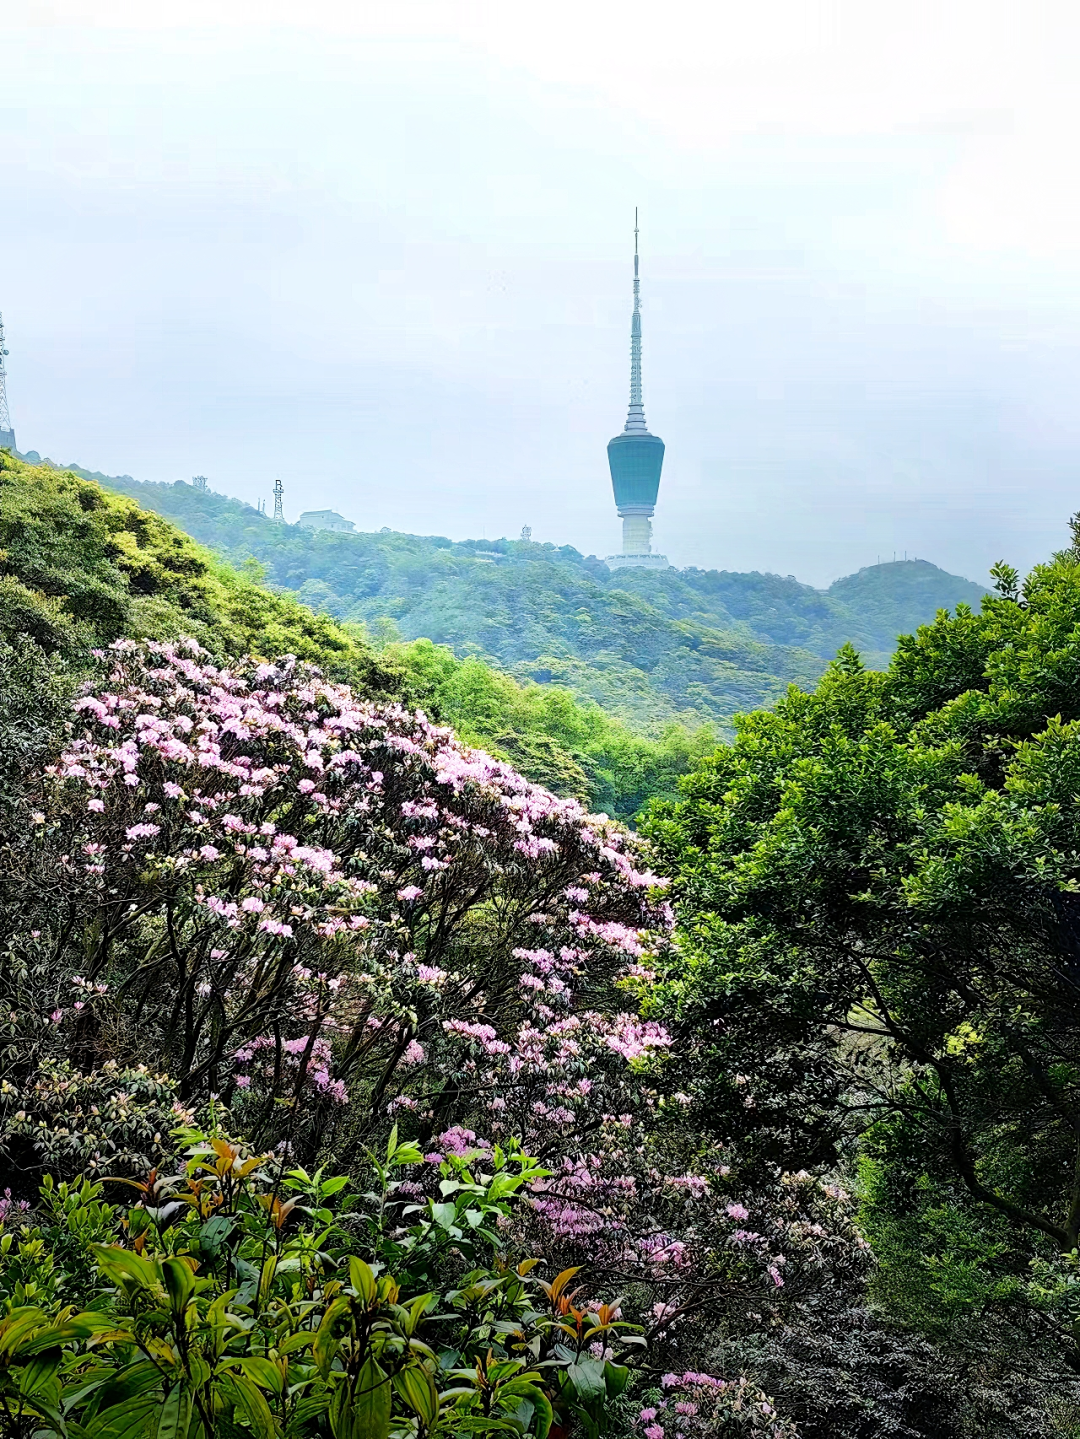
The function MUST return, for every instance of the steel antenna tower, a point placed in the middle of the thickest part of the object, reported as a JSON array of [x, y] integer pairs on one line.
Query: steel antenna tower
[[7, 432], [279, 491]]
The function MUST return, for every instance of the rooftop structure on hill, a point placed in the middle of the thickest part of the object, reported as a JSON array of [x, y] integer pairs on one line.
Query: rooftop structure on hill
[[7, 429], [635, 459], [325, 520]]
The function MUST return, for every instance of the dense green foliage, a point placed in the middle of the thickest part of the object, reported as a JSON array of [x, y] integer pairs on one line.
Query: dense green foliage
[[80, 567], [648, 646], [877, 893], [245, 1296], [570, 745]]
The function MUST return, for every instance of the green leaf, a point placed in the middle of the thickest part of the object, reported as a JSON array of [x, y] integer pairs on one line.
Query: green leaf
[[417, 1388], [587, 1377], [251, 1400], [364, 1413], [39, 1371], [407, 1153], [361, 1278], [214, 1233], [179, 1282], [616, 1378], [331, 1186], [126, 1385], [477, 1424], [444, 1215], [18, 1326], [175, 1414], [125, 1268], [418, 1307], [545, 1415], [44, 1408], [266, 1277], [325, 1345], [133, 1420], [266, 1374]]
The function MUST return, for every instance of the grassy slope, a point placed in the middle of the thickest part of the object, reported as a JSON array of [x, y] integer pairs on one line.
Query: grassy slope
[[649, 647], [80, 566]]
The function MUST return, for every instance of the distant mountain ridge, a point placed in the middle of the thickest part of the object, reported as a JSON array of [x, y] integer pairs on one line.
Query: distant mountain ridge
[[649, 646]]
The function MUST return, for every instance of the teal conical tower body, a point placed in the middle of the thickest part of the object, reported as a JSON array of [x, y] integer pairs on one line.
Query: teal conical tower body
[[636, 458]]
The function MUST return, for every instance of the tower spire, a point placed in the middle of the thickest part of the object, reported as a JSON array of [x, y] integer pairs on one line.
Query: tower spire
[[635, 418], [7, 432]]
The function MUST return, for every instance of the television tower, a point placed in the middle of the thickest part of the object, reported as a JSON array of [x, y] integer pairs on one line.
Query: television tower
[[279, 491], [635, 459], [7, 431]]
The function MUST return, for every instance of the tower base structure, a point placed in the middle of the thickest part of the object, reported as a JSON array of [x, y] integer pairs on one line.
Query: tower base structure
[[637, 562], [636, 541]]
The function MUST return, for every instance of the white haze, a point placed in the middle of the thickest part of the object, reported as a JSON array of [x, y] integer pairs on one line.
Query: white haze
[[386, 255]]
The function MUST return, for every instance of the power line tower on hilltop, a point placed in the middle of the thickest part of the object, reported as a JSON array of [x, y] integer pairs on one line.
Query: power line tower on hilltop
[[279, 492], [199, 482], [7, 430]]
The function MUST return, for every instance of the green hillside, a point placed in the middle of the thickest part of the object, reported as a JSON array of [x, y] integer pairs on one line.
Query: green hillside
[[80, 567], [695, 644]]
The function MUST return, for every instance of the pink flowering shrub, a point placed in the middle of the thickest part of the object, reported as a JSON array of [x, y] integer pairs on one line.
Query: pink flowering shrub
[[292, 893]]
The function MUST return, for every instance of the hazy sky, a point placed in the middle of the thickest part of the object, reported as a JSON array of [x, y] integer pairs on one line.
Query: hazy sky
[[384, 252]]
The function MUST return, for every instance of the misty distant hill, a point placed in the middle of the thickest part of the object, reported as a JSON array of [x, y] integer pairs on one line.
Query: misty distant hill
[[647, 645]]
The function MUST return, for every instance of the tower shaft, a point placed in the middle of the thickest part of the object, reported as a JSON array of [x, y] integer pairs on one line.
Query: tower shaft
[[635, 418], [279, 493]]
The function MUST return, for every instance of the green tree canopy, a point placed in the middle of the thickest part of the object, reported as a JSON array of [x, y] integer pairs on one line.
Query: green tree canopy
[[878, 887]]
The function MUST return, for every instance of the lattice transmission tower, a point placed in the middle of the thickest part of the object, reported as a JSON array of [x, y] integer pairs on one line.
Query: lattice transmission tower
[[7, 430], [279, 492]]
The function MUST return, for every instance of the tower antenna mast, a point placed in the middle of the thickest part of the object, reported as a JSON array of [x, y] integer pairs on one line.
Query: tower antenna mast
[[635, 420], [279, 491], [7, 432]]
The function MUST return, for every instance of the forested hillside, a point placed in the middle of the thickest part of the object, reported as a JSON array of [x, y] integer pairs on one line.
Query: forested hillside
[[80, 567], [700, 645]]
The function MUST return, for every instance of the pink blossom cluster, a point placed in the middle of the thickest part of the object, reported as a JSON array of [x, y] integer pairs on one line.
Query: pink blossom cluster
[[312, 849], [299, 1062], [10, 1207], [693, 1405]]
